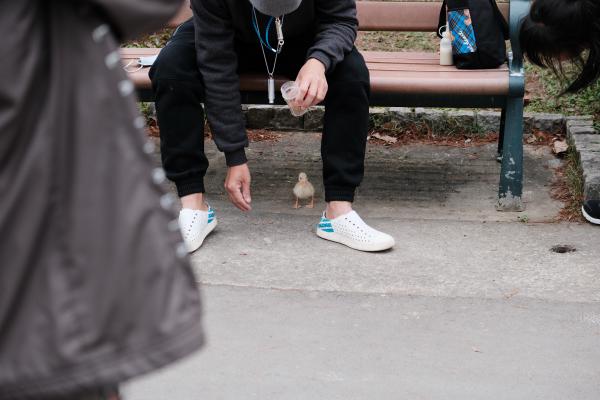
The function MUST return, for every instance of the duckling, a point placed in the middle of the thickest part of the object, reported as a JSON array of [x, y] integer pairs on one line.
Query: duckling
[[304, 190]]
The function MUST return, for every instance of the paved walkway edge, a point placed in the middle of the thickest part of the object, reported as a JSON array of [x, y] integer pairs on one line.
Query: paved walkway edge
[[586, 141]]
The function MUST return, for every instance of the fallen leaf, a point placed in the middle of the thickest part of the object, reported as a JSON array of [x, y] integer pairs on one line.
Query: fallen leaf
[[511, 294], [560, 146], [388, 125], [153, 131], [385, 138]]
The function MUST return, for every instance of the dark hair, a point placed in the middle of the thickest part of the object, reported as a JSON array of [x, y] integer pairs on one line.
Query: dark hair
[[559, 29]]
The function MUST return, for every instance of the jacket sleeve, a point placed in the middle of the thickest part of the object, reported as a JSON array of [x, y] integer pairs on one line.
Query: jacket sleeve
[[336, 31], [217, 62], [132, 18]]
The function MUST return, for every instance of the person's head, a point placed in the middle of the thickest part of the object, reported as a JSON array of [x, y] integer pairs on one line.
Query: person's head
[[276, 8], [559, 30]]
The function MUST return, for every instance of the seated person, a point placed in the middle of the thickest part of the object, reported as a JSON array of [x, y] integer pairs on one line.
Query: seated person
[[202, 63]]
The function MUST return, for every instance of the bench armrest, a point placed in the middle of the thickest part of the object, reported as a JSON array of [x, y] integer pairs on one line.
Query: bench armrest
[[518, 11]]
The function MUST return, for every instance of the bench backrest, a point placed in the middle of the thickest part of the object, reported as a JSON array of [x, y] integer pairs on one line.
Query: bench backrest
[[402, 16], [381, 15]]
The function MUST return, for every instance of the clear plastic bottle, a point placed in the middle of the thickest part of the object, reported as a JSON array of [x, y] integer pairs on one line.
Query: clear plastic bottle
[[446, 48]]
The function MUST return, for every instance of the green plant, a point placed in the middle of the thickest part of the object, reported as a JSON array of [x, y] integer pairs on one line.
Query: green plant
[[146, 110], [156, 40], [549, 98], [574, 179], [568, 187]]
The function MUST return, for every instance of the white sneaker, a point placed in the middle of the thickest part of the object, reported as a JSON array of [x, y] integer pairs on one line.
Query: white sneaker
[[195, 226], [350, 230]]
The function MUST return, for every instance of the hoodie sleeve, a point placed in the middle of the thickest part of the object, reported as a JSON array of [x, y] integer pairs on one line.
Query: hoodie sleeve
[[218, 62], [336, 31], [132, 18]]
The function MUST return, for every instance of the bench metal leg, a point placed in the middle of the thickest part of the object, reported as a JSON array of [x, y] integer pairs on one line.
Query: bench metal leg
[[501, 134], [511, 173]]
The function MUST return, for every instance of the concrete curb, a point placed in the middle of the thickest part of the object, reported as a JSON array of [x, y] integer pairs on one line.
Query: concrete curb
[[278, 117], [580, 130], [584, 138]]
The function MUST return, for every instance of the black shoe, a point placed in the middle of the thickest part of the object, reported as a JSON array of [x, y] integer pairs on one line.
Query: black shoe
[[591, 211]]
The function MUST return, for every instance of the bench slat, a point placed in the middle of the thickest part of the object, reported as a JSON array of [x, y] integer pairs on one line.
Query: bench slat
[[380, 15], [425, 68], [402, 16], [440, 83], [401, 72]]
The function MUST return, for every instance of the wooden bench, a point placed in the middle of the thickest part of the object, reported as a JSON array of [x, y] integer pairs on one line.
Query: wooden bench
[[415, 79]]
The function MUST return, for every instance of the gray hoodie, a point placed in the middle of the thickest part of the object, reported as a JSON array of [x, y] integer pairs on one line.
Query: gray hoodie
[[221, 23]]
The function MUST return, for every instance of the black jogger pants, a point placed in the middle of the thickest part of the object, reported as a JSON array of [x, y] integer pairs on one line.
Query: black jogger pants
[[179, 93]]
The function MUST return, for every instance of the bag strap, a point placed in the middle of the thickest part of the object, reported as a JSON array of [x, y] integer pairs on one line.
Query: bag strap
[[500, 18], [443, 18]]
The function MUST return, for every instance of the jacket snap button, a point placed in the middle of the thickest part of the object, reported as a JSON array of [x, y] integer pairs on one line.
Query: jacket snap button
[[99, 33], [173, 226], [125, 87], [158, 175], [181, 250], [112, 59], [149, 147], [166, 201]]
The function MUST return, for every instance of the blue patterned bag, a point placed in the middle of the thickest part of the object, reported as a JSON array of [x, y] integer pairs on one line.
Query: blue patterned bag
[[478, 32]]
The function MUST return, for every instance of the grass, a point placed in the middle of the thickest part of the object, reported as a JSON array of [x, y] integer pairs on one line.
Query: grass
[[568, 187], [549, 97], [158, 39], [146, 110], [397, 41]]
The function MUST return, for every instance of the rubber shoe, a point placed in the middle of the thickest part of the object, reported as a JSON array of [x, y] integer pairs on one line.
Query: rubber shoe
[[350, 230], [591, 211], [195, 226]]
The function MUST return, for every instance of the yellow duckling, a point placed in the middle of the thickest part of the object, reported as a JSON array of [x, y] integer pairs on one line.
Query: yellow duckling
[[304, 190]]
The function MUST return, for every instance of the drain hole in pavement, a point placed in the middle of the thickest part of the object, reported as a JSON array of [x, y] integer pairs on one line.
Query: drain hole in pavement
[[563, 248]]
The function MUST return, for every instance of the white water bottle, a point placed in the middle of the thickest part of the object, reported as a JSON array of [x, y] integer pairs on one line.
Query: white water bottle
[[446, 48]]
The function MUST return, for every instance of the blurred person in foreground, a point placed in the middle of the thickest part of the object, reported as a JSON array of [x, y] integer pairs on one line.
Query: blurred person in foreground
[[566, 31], [95, 286]]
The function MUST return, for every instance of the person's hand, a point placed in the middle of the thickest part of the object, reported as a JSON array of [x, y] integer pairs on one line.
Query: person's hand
[[237, 184], [312, 83]]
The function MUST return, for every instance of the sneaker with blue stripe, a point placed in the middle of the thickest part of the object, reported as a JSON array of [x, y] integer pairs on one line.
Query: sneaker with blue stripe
[[350, 230], [195, 226]]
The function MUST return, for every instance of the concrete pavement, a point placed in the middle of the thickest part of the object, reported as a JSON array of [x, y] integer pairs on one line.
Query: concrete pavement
[[470, 304], [274, 344]]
